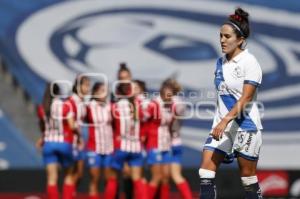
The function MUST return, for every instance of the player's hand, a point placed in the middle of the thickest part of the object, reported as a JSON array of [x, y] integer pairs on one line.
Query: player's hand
[[218, 131]]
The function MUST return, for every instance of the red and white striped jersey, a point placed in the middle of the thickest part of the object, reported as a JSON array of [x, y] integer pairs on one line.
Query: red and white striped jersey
[[160, 121], [126, 118], [57, 128], [99, 119], [142, 103], [78, 107], [79, 112]]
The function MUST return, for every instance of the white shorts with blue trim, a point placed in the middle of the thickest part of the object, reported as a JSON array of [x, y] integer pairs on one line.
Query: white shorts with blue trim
[[240, 143]]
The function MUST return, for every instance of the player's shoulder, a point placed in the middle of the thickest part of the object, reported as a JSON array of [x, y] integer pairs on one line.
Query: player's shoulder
[[249, 57]]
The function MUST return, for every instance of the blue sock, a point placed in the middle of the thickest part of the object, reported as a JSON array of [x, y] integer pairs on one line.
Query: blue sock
[[253, 191], [207, 188]]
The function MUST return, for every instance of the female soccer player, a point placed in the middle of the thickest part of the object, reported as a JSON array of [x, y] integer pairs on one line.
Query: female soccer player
[[237, 126], [176, 143], [100, 142], [127, 138], [81, 88], [158, 142], [58, 128]]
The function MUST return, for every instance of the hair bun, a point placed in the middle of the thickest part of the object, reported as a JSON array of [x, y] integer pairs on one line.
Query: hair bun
[[123, 66], [242, 14]]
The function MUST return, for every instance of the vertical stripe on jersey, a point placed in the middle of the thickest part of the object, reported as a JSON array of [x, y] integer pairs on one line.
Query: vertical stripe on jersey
[[164, 134], [60, 123], [102, 128], [96, 126], [123, 124], [164, 138], [107, 143], [129, 129], [219, 73]]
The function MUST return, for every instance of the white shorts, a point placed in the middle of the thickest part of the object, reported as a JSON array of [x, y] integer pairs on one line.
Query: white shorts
[[240, 143]]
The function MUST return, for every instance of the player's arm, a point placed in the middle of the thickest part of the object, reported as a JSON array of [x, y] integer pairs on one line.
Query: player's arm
[[68, 114]]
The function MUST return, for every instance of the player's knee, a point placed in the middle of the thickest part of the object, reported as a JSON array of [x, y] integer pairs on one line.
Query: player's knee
[[245, 172], [157, 177], [177, 177]]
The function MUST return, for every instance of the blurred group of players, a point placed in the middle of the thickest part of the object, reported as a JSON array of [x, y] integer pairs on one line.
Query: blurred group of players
[[127, 132]]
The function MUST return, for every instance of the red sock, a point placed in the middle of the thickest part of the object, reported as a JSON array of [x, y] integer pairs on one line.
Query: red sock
[[68, 191], [165, 191], [52, 192], [111, 188], [140, 189], [94, 196], [184, 190], [144, 189], [151, 191]]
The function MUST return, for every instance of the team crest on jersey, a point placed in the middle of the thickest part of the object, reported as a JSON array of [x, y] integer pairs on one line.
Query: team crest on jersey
[[237, 72]]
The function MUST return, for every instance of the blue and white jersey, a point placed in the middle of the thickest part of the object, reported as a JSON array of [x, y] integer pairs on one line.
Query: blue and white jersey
[[230, 77]]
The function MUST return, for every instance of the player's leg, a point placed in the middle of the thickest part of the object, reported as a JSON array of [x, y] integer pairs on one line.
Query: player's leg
[[210, 162], [181, 183], [176, 173], [52, 167], [165, 181], [69, 185], [213, 154], [111, 186], [52, 178], [136, 176], [156, 176], [79, 165], [117, 163], [93, 161], [127, 182], [94, 182], [154, 158], [136, 163], [247, 147], [249, 178], [66, 159]]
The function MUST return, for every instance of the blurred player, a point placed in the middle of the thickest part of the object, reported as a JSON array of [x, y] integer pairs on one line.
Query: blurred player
[[141, 101], [80, 89], [58, 128], [159, 141], [176, 149], [237, 126], [127, 137], [100, 142], [124, 75]]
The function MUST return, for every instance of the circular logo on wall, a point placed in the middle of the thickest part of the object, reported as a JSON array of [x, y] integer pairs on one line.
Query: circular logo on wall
[[160, 40]]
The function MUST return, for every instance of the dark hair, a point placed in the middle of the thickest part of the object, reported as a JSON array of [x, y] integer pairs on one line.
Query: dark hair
[[79, 79], [240, 23], [123, 67], [141, 84], [52, 90], [96, 86], [124, 89]]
